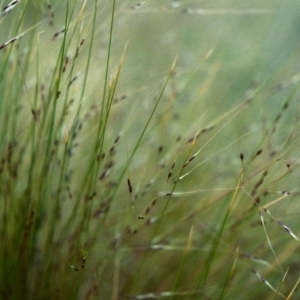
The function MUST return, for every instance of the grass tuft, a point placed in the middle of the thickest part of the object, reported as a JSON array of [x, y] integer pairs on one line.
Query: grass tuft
[[149, 150]]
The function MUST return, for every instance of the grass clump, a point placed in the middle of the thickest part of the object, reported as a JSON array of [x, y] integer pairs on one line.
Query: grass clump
[[149, 158]]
